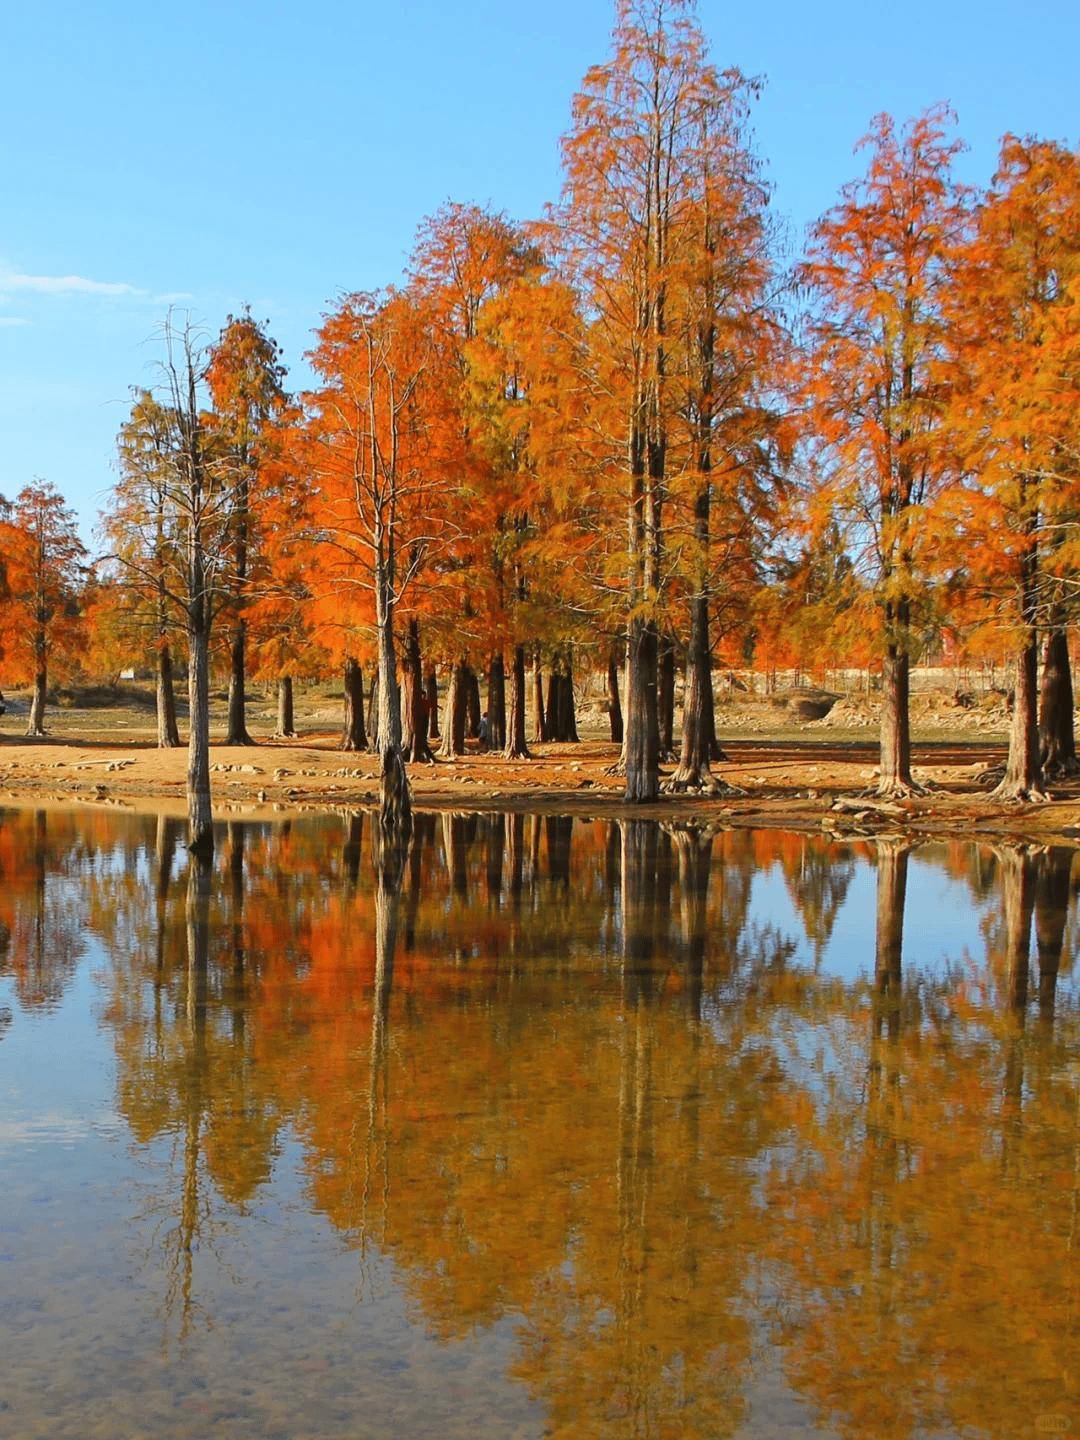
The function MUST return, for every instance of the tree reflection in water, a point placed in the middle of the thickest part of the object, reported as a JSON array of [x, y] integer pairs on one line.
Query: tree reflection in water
[[574, 1076]]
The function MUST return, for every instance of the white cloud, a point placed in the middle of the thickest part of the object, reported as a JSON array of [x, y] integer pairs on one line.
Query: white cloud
[[15, 282], [12, 320]]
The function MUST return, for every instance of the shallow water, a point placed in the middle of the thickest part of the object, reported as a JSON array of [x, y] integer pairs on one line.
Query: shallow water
[[567, 1128]]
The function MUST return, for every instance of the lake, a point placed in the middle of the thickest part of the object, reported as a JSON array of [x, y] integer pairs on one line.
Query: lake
[[550, 1127]]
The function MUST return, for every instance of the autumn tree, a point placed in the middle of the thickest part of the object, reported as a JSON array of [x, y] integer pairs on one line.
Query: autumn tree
[[634, 177], [201, 493], [725, 354], [245, 376], [140, 530], [375, 461], [871, 388], [46, 570], [1015, 309]]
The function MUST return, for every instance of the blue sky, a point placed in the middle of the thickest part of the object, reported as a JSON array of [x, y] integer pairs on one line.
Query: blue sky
[[282, 153]]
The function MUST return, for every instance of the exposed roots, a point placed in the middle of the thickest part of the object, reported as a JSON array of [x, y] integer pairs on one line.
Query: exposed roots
[[1015, 792], [1061, 769], [700, 782], [898, 790]]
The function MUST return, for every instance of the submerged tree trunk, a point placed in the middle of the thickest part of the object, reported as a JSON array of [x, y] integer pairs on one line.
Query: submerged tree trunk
[[354, 734], [35, 726], [286, 723], [516, 745], [168, 732], [496, 706], [415, 709], [895, 777], [1057, 742], [237, 732], [200, 818], [454, 715], [615, 717]]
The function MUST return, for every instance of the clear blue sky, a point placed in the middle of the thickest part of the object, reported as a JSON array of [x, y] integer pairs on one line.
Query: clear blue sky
[[282, 153]]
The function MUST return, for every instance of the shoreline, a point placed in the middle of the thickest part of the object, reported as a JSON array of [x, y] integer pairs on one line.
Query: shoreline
[[786, 785]]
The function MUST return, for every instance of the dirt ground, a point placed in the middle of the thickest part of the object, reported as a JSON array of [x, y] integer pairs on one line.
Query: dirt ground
[[785, 773]]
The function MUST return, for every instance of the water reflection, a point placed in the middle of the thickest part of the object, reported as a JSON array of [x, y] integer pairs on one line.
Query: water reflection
[[662, 1132]]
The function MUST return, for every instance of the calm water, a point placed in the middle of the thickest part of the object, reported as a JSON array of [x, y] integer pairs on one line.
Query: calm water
[[573, 1128]]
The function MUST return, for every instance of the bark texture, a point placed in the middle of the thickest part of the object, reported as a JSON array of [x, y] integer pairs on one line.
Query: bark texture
[[454, 714], [516, 745], [1057, 741], [615, 715], [168, 732], [354, 734], [286, 721], [496, 706]]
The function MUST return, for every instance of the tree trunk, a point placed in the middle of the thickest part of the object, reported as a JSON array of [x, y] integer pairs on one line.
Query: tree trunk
[[615, 719], [454, 715], [354, 735], [699, 747], [286, 723], [200, 818], [35, 727], [540, 731], [373, 715], [168, 733], [431, 695], [1057, 743], [642, 746], [1023, 778], [237, 733], [895, 777], [395, 799], [567, 704], [496, 707], [473, 712], [665, 696], [415, 716], [516, 745]]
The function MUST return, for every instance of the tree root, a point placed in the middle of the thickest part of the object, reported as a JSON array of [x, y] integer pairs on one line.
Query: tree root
[[700, 783], [1016, 793], [897, 790]]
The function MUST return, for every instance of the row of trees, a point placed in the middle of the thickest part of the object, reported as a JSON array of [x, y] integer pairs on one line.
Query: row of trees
[[628, 435]]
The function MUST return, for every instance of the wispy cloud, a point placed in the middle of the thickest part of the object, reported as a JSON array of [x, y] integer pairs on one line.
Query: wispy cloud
[[17, 282], [10, 321], [14, 282]]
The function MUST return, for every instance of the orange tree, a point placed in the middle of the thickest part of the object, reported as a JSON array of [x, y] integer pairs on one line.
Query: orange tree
[[1014, 310], [380, 450], [46, 571], [245, 377], [870, 386]]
